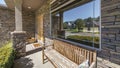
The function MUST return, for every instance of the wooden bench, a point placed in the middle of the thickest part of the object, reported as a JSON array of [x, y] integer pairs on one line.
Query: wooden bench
[[65, 55]]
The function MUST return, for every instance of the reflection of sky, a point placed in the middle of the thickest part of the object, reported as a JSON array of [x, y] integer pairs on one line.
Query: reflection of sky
[[83, 11], [2, 2]]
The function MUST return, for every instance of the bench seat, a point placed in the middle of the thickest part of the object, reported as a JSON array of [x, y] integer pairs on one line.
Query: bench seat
[[59, 60]]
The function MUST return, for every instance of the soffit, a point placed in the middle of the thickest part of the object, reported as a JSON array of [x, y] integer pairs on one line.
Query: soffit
[[31, 5]]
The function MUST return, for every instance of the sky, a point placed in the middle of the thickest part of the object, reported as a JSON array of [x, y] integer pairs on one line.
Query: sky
[[2, 2], [83, 11]]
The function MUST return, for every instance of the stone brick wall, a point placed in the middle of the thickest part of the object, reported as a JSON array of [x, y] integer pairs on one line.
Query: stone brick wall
[[7, 21], [7, 24], [19, 43], [29, 23], [110, 31], [45, 10]]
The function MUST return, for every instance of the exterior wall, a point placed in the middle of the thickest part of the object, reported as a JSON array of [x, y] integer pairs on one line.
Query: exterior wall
[[55, 21], [29, 23], [45, 11], [110, 31], [7, 24], [7, 21]]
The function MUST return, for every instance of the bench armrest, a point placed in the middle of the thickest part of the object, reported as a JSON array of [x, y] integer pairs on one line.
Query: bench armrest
[[93, 65]]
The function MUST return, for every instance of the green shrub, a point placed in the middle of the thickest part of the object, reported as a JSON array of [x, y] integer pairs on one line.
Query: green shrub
[[84, 40], [6, 56]]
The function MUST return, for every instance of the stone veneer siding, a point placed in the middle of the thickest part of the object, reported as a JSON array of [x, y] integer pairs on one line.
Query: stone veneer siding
[[45, 10], [29, 23], [7, 24], [19, 43], [110, 11]]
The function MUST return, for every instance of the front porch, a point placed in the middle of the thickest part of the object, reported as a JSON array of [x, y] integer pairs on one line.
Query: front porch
[[42, 29], [32, 61]]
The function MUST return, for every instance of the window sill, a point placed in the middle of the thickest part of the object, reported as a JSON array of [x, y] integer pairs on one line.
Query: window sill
[[78, 44]]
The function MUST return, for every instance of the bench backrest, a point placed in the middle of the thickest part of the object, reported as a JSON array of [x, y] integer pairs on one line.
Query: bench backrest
[[74, 53]]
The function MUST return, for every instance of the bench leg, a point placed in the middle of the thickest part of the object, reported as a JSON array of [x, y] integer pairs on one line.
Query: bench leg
[[43, 55], [43, 59]]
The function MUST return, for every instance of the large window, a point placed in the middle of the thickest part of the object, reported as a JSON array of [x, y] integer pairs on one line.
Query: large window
[[80, 24]]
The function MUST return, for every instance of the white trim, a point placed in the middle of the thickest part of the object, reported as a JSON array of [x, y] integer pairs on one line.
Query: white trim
[[62, 5], [52, 1], [99, 24], [100, 27], [93, 21]]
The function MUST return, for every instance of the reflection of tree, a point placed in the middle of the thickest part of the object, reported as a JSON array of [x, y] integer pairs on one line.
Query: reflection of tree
[[79, 24], [88, 26], [90, 21], [65, 25]]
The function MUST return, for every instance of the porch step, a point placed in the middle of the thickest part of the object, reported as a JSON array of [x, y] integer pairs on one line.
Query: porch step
[[32, 46]]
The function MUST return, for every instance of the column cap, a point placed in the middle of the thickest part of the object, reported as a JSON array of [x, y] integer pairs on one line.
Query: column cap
[[17, 32]]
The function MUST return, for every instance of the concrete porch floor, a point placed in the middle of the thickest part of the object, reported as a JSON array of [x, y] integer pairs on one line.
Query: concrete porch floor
[[32, 61]]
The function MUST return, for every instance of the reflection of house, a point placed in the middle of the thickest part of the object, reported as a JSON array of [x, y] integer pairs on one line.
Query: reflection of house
[[92, 26], [94, 23], [71, 24]]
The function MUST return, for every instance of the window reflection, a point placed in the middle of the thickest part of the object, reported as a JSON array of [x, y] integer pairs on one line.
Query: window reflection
[[80, 24]]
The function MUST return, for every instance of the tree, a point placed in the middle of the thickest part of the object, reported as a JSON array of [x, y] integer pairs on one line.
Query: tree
[[65, 25], [89, 19], [79, 24], [97, 19]]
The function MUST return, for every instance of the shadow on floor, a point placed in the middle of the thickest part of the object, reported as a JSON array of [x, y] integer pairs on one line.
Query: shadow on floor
[[33, 51], [23, 63]]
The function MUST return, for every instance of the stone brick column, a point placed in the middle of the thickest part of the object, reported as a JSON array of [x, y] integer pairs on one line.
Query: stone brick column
[[19, 36], [19, 43]]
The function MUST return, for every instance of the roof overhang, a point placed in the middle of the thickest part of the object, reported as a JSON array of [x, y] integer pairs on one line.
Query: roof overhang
[[64, 5], [30, 5]]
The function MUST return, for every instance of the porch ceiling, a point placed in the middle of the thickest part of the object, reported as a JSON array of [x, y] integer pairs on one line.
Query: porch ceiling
[[30, 5], [63, 5]]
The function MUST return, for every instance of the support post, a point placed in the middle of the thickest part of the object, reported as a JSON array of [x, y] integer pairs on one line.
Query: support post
[[18, 15], [19, 36], [61, 21]]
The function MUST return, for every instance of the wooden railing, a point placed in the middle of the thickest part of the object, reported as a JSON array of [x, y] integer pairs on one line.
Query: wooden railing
[[75, 53]]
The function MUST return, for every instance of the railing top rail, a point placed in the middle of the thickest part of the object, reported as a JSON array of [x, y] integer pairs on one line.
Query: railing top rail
[[77, 44]]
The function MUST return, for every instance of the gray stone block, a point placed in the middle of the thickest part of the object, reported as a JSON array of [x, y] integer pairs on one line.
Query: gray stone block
[[110, 36], [118, 49], [19, 43]]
